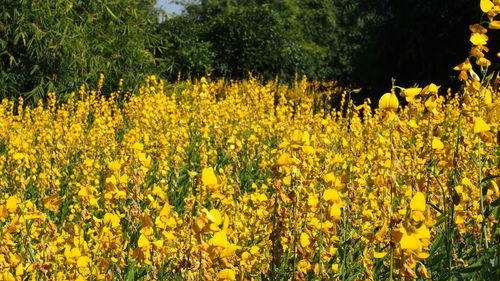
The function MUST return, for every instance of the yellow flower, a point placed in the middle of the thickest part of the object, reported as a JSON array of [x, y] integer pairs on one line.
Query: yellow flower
[[379, 255], [464, 66], [483, 61], [113, 219], [304, 266], [216, 215], [410, 93], [423, 271], [19, 269], [335, 267], [305, 240], [331, 195], [418, 202], [409, 242], [477, 28], [495, 24], [388, 101], [486, 5], [480, 126], [138, 146], [83, 261], [227, 274], [431, 89], [335, 212], [219, 239], [143, 241], [478, 39], [12, 203], [208, 177], [437, 143], [229, 251], [431, 104]]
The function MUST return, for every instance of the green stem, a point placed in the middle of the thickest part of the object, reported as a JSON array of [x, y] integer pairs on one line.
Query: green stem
[[479, 179], [393, 152], [295, 228]]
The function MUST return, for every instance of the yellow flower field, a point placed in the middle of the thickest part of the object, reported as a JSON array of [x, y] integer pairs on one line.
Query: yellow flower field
[[244, 180]]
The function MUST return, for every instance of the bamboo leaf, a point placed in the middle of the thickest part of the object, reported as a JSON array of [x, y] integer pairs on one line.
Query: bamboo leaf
[[112, 14]]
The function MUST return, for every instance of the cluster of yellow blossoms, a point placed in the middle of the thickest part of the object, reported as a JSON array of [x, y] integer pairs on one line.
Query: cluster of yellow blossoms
[[248, 181], [241, 180]]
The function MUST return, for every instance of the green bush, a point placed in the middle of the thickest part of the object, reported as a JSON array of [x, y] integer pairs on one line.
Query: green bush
[[59, 45]]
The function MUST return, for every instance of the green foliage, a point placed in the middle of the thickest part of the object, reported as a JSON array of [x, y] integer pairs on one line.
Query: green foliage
[[317, 38], [228, 39], [183, 51], [417, 41], [59, 45], [360, 42], [339, 29], [248, 39]]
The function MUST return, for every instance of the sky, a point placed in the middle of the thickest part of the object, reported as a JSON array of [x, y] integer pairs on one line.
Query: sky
[[168, 7]]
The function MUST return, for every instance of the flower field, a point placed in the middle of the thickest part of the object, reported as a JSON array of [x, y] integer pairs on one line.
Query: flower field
[[244, 180]]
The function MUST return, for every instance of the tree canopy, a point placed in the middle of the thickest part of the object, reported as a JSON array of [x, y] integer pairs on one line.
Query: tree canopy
[[361, 42], [59, 45], [282, 37]]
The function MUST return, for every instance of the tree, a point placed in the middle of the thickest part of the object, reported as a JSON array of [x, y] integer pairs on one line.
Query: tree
[[317, 38], [183, 50], [248, 39], [59, 45], [363, 43], [417, 41]]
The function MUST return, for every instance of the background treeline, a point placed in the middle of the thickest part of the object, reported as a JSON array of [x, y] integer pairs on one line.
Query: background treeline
[[59, 45], [48, 45]]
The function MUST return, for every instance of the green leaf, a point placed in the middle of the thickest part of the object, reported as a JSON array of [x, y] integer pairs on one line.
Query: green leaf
[[112, 14], [131, 273], [488, 178]]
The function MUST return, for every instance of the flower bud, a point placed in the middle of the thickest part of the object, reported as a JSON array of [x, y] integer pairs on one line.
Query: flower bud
[[388, 101]]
